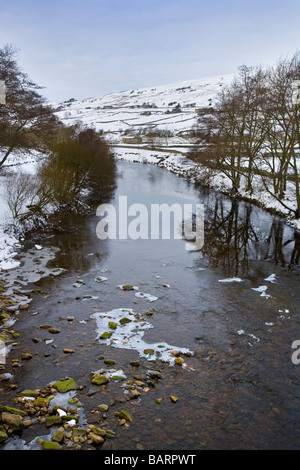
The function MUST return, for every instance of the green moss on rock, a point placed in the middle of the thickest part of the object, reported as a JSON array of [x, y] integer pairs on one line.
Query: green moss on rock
[[106, 335], [98, 379], [66, 385], [50, 445]]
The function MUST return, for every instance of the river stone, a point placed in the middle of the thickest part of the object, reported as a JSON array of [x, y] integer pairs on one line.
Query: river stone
[[106, 335], [14, 411], [149, 351], [30, 393], [135, 363], [3, 435], [173, 398], [117, 378], [25, 356], [50, 445], [96, 439], [109, 362], [51, 420], [102, 407], [12, 420], [98, 379], [58, 436], [41, 402], [78, 432], [179, 361], [68, 417], [154, 374], [66, 385], [125, 415], [98, 431], [53, 330]]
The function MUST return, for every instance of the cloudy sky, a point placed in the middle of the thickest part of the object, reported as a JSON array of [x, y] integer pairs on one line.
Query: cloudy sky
[[85, 48]]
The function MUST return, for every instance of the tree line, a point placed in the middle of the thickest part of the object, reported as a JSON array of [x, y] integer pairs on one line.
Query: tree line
[[252, 130], [76, 159]]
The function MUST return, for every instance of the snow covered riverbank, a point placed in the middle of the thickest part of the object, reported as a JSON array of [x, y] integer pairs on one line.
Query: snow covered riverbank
[[9, 231]]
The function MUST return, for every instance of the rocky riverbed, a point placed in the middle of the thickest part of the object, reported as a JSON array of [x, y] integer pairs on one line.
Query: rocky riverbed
[[53, 415], [162, 348]]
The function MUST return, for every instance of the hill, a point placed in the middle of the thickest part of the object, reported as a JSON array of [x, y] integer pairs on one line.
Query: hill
[[160, 116]]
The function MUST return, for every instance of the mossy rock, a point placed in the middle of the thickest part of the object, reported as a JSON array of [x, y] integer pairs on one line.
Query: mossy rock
[[98, 379], [124, 320], [53, 331], [113, 325], [127, 287], [69, 418], [41, 402], [50, 445], [154, 374], [174, 399], [109, 362], [72, 401], [14, 411], [3, 434], [125, 415], [66, 385], [149, 351], [53, 420], [117, 378], [4, 316], [30, 393], [106, 335], [25, 356], [109, 434], [98, 431], [179, 361], [135, 363], [11, 420], [58, 436], [78, 432]]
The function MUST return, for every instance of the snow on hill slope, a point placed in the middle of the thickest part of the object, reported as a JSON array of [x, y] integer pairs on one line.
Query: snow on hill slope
[[139, 116]]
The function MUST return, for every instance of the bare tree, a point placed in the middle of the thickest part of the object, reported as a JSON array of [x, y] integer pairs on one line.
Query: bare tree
[[26, 121]]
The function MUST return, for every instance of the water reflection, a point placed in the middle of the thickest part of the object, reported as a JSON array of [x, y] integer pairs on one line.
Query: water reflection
[[238, 233]]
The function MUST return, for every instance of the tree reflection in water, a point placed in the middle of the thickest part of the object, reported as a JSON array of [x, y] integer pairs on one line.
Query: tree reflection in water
[[238, 234]]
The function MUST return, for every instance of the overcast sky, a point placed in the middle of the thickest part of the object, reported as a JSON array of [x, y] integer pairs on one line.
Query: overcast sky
[[85, 48]]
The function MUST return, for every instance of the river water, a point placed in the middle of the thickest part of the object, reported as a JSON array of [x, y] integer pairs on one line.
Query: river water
[[231, 310]]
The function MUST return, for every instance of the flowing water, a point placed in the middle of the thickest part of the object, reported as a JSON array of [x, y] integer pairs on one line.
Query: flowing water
[[231, 309]]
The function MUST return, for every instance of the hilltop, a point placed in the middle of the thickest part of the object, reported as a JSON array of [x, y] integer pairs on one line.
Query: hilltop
[[161, 116]]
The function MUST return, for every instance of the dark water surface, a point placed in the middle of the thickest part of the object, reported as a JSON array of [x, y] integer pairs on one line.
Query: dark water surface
[[238, 387]]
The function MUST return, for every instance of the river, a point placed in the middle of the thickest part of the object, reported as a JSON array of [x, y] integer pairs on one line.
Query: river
[[230, 311]]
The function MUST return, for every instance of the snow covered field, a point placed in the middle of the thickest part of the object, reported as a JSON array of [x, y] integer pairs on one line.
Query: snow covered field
[[169, 108]]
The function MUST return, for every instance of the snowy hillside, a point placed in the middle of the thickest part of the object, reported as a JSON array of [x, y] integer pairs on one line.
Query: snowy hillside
[[164, 113]]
